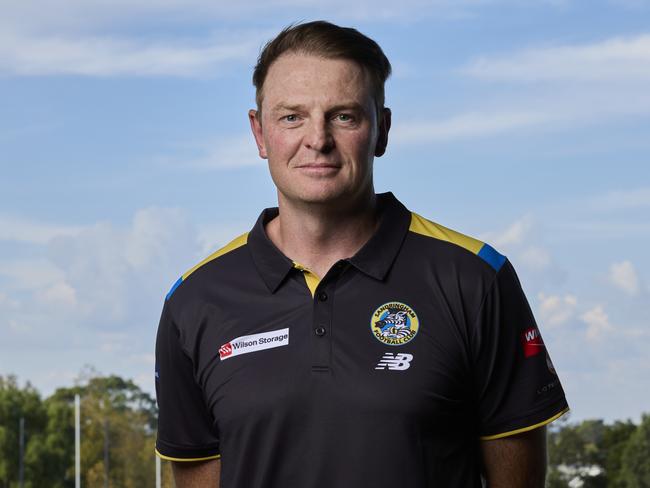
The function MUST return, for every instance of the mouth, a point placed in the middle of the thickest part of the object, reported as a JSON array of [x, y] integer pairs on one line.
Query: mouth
[[318, 165], [319, 169]]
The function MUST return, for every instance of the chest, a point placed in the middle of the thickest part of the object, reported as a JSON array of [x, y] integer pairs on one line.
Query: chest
[[354, 348]]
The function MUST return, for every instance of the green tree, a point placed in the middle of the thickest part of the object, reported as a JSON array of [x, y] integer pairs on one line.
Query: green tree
[[591, 451], [635, 466], [17, 403], [614, 441], [112, 409], [115, 411]]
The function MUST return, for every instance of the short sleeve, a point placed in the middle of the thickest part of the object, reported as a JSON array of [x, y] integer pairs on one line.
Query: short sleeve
[[516, 386], [185, 427]]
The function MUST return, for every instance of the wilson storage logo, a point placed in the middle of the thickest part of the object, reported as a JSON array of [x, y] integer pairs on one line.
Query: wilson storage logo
[[254, 342]]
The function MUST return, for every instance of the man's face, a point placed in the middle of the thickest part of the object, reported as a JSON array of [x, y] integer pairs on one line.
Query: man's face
[[318, 129]]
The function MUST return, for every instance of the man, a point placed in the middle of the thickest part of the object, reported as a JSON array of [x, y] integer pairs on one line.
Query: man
[[346, 341]]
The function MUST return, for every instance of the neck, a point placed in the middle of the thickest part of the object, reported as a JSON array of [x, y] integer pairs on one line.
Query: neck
[[317, 236]]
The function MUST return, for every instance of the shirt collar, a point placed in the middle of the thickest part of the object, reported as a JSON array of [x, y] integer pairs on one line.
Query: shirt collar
[[374, 258]]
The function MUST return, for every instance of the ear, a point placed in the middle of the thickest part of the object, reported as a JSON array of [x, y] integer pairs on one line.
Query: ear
[[254, 117], [384, 127]]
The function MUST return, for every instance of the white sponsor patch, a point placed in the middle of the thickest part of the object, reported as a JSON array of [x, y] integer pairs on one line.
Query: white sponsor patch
[[254, 342]]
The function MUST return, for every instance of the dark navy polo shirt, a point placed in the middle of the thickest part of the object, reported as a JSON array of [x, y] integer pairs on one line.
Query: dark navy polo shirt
[[387, 371]]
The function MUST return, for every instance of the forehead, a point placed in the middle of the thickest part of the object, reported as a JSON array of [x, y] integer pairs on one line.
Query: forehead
[[307, 79]]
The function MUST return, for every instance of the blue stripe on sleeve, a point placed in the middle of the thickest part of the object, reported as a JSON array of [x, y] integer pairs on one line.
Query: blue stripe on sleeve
[[492, 257], [174, 286]]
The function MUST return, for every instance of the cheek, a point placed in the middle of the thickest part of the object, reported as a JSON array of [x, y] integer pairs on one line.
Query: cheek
[[280, 143], [361, 144]]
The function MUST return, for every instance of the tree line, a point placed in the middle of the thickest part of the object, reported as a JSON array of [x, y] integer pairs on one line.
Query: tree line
[[118, 425], [118, 429], [594, 454]]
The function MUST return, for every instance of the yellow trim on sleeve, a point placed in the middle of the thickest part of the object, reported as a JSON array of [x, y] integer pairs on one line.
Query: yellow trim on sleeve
[[167, 458], [425, 227], [231, 246], [311, 278], [524, 429]]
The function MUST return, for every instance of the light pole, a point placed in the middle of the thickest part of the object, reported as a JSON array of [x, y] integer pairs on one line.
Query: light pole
[[77, 442], [21, 451]]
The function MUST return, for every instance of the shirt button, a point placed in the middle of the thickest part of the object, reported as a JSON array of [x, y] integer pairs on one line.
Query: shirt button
[[320, 331], [322, 296]]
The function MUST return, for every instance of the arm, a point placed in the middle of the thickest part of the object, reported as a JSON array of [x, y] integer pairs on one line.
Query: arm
[[517, 461], [197, 474]]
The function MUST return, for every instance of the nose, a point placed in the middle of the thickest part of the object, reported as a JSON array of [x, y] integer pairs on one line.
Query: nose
[[318, 136]]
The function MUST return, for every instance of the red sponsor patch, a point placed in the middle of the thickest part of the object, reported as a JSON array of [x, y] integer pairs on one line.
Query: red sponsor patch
[[532, 342], [225, 350]]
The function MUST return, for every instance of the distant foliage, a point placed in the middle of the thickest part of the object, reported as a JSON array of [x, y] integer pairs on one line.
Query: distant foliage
[[635, 467], [593, 454], [115, 414]]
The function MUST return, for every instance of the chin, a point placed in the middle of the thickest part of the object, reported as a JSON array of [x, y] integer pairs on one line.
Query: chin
[[319, 196]]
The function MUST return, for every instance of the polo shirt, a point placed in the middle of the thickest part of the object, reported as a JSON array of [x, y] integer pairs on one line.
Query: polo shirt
[[387, 371]]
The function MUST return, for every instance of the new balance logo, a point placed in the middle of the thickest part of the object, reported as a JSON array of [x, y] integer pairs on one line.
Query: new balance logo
[[397, 361]]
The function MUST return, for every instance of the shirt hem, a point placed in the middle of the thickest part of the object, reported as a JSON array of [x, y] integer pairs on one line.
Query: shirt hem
[[525, 429], [170, 458]]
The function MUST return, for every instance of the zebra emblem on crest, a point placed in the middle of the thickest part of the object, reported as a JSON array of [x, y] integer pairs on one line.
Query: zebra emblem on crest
[[394, 323]]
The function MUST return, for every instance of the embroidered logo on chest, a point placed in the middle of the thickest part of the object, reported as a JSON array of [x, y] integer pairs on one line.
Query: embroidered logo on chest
[[394, 324], [254, 342], [395, 362]]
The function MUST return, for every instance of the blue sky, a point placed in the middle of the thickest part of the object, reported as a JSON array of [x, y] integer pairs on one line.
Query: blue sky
[[125, 157]]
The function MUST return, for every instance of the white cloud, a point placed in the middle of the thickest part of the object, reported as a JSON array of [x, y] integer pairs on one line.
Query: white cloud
[[102, 276], [212, 237], [560, 88], [467, 125], [523, 242], [623, 199], [556, 310], [134, 265], [50, 37], [110, 56], [18, 229], [7, 302], [30, 274], [615, 59], [624, 276], [597, 323], [99, 298], [228, 152], [536, 258], [59, 294], [91, 14], [514, 234]]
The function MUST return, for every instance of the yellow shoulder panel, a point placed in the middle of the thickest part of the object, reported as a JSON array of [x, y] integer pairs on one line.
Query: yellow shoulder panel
[[231, 246], [420, 225]]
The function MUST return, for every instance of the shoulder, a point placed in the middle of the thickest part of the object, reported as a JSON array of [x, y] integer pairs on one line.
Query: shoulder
[[456, 244], [215, 259]]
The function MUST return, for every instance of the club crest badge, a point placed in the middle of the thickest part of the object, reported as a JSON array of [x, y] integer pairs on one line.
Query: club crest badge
[[394, 324]]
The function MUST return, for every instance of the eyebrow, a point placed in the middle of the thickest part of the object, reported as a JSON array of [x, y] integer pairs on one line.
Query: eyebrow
[[302, 108], [290, 108]]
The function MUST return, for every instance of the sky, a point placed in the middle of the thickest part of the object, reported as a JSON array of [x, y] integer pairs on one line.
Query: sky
[[126, 157]]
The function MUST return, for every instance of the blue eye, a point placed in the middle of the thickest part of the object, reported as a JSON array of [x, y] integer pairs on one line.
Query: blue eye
[[290, 118]]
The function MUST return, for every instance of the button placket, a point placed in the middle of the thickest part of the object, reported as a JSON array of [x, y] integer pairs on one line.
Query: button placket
[[322, 326]]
